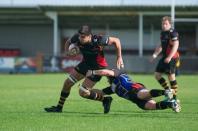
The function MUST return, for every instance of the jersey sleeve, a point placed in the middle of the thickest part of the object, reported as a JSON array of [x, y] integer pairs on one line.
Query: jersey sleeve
[[174, 35], [74, 38], [103, 40]]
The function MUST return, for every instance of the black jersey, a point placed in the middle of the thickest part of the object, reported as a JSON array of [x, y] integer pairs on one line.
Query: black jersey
[[166, 37], [93, 52]]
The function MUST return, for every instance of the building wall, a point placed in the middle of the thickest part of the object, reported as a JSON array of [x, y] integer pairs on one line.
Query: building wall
[[30, 39], [129, 37], [136, 64]]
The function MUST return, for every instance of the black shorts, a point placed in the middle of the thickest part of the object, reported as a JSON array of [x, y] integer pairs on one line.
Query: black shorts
[[168, 68], [83, 67], [139, 102]]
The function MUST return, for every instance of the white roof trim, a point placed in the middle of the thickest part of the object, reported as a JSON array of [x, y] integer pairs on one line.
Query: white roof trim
[[32, 3]]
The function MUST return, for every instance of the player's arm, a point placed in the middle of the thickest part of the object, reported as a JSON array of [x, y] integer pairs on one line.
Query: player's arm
[[67, 43], [103, 72], [70, 46], [67, 51], [175, 47], [174, 42], [157, 51], [116, 42]]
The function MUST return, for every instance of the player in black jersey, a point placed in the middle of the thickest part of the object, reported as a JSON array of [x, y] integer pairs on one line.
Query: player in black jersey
[[91, 47], [170, 56]]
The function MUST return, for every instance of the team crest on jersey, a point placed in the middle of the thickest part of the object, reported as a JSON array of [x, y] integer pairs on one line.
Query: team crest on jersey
[[95, 40]]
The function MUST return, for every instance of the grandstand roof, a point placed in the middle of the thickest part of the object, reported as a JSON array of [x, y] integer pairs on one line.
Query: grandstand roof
[[72, 13], [30, 3]]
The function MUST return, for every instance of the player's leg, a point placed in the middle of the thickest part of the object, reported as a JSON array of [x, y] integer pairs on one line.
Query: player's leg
[[107, 91], [68, 83], [161, 80], [144, 100], [171, 76], [77, 74], [174, 105], [146, 94], [173, 83], [87, 92], [161, 67], [149, 104], [153, 105]]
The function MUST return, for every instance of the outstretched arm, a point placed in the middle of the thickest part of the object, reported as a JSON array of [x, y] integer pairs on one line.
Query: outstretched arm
[[103, 72], [116, 42]]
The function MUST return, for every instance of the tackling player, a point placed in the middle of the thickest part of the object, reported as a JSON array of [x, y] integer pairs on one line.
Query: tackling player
[[123, 86]]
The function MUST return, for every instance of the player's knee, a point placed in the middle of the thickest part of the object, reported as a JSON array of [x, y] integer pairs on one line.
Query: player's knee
[[157, 75], [72, 79], [84, 92], [143, 94], [67, 85], [150, 105]]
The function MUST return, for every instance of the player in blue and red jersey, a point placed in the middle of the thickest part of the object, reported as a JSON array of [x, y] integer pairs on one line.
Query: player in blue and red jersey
[[170, 56], [91, 47], [124, 87]]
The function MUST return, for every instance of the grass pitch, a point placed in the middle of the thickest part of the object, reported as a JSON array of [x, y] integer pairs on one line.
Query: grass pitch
[[23, 97]]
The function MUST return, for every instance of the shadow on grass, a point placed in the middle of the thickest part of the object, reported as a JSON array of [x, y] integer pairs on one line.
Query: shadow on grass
[[140, 114]]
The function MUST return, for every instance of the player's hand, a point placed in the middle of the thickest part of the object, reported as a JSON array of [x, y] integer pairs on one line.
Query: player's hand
[[72, 52], [89, 73], [167, 60], [151, 59], [120, 63]]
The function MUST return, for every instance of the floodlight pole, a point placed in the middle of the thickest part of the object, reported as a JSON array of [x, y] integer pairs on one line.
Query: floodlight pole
[[54, 17], [140, 34], [173, 13]]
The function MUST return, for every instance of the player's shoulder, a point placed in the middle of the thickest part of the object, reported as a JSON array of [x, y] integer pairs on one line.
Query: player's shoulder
[[174, 34], [75, 38], [173, 31], [97, 37], [100, 39]]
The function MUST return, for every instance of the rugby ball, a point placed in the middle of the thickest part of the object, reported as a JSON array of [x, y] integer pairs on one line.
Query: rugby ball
[[73, 49]]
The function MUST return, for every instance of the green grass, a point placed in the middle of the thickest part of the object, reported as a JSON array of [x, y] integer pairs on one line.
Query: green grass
[[23, 97]]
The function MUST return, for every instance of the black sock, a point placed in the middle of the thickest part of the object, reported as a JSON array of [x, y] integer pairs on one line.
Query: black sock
[[174, 86], [95, 96], [107, 90], [62, 99], [163, 83], [156, 92], [163, 105]]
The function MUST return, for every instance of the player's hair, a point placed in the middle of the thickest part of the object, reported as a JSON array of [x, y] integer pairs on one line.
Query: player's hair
[[168, 18]]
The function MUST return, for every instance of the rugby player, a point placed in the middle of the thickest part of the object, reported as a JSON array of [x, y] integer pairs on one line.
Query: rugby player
[[170, 56], [123, 86], [91, 47]]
